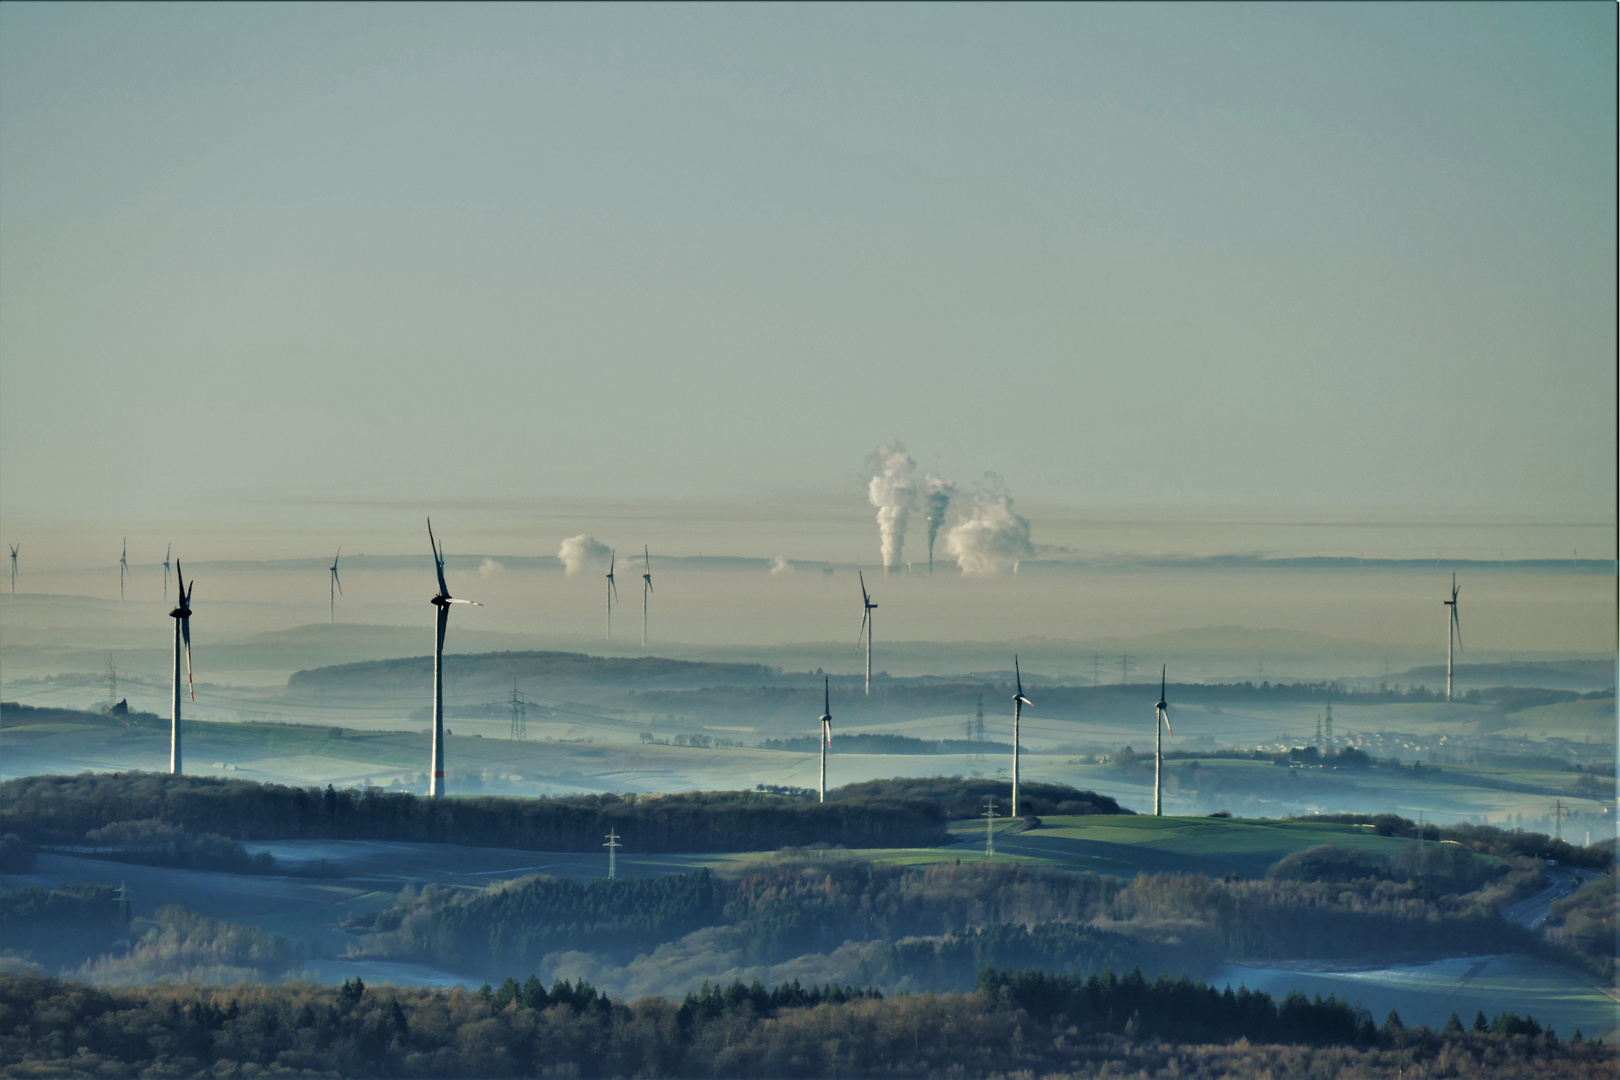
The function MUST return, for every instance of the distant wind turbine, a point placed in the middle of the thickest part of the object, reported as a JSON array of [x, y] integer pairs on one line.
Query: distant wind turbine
[[182, 639], [123, 571], [14, 550], [166, 553], [1161, 722], [442, 602], [646, 591], [868, 605], [334, 587], [1019, 701], [1453, 631], [612, 591], [826, 730]]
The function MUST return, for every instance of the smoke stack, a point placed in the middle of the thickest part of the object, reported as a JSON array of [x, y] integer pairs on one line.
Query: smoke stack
[[894, 494], [937, 492]]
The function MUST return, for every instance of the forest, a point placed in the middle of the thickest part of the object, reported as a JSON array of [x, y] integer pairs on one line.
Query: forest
[[62, 810], [936, 927], [1010, 1024]]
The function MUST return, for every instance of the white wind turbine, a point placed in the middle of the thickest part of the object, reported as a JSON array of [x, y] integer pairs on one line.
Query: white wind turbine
[[1019, 701], [123, 571], [646, 591], [168, 551], [442, 602], [826, 731], [868, 605], [1453, 631], [182, 638], [1161, 722], [14, 550], [334, 587], [612, 591]]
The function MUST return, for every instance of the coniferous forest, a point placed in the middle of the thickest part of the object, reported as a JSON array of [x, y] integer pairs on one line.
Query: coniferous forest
[[1010, 1024]]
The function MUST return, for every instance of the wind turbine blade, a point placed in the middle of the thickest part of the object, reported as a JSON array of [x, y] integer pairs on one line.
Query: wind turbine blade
[[438, 560], [338, 581], [1018, 675], [1456, 621], [458, 600], [1162, 673], [865, 615], [185, 634], [826, 696], [1165, 713]]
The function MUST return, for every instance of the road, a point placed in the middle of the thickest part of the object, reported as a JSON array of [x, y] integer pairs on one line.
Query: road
[[1533, 911]]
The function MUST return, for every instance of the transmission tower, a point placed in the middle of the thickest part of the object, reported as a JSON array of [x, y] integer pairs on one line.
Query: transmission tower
[[112, 684], [978, 733], [125, 912], [520, 716], [613, 847], [1319, 747], [1124, 668], [1559, 814], [989, 824], [1327, 725]]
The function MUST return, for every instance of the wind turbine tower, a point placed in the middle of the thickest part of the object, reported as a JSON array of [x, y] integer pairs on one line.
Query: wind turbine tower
[[334, 587], [442, 602], [1161, 722], [826, 730], [1019, 701], [182, 638], [612, 591], [14, 550], [1453, 631], [646, 590], [868, 605]]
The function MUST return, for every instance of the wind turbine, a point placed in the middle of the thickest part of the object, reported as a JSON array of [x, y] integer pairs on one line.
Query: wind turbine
[[1453, 631], [826, 730], [612, 591], [1019, 701], [182, 638], [14, 549], [166, 553], [334, 587], [123, 571], [442, 602], [646, 591], [1161, 712], [868, 605]]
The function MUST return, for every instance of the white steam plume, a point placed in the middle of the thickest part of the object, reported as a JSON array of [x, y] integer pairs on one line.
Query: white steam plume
[[578, 552], [937, 494], [490, 568], [992, 539], [895, 496], [780, 567]]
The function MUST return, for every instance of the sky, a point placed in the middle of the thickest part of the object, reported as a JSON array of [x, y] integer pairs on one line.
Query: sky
[[270, 260]]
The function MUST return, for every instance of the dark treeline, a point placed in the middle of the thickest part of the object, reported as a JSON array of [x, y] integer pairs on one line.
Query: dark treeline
[[516, 924], [1013, 1025], [961, 798], [939, 925], [1483, 839], [56, 927], [415, 674], [866, 743], [65, 810]]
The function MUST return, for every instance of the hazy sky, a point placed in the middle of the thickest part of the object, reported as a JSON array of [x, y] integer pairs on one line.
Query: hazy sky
[[1156, 255]]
